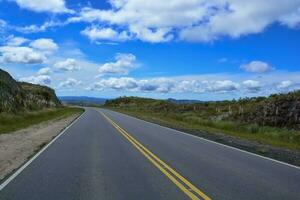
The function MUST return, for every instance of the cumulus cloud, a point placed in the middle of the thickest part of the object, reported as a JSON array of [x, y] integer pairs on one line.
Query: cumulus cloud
[[54, 6], [164, 85], [197, 20], [69, 83], [21, 55], [67, 65], [123, 64], [123, 83], [15, 41], [44, 71], [252, 85], [44, 44], [222, 86], [284, 85], [94, 33], [38, 79], [257, 67]]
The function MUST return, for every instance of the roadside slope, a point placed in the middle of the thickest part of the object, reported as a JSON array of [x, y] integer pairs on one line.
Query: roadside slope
[[16, 147]]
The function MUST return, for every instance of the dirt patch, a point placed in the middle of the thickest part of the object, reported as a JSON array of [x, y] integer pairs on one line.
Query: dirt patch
[[18, 146]]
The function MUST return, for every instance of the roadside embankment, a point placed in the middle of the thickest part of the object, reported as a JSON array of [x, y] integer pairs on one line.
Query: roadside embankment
[[17, 146]]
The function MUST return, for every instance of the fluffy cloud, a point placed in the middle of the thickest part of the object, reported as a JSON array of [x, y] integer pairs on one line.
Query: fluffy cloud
[[257, 67], [15, 41], [22, 55], [196, 20], [94, 33], [165, 85], [54, 6], [44, 44], [284, 85], [122, 65], [44, 71], [222, 86], [69, 83], [38, 79], [67, 65], [252, 85], [123, 83]]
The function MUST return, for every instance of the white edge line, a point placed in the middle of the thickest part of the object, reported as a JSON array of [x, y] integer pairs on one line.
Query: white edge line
[[16, 173], [201, 138]]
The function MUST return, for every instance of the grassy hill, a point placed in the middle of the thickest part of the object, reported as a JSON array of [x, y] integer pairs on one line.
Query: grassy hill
[[25, 104], [273, 120], [20, 96]]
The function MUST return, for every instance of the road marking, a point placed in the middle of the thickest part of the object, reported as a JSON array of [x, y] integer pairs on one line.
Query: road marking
[[182, 183], [174, 131], [16, 173]]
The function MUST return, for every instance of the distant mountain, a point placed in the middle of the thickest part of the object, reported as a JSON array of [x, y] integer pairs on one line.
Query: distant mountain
[[20, 96], [183, 101], [82, 100]]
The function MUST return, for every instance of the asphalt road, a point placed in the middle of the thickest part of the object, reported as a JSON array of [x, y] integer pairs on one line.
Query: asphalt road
[[114, 156]]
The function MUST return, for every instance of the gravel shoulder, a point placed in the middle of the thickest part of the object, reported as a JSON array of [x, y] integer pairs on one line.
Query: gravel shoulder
[[18, 146]]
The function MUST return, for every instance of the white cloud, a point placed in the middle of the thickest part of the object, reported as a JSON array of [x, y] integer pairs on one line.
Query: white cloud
[[292, 19], [165, 85], [22, 55], [122, 65], [67, 65], [54, 6], [284, 84], [123, 83], [252, 85], [44, 44], [44, 71], [160, 85], [222, 86], [38, 79], [257, 67], [69, 83], [94, 33], [15, 41], [33, 28], [3, 25], [196, 20]]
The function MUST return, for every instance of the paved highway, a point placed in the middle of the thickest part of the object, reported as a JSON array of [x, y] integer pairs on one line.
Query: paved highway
[[108, 155]]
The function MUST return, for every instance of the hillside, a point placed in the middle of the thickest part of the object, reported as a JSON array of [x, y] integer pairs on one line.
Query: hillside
[[272, 120], [20, 96], [278, 110]]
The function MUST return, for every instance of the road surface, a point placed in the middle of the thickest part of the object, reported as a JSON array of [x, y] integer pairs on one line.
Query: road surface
[[107, 155]]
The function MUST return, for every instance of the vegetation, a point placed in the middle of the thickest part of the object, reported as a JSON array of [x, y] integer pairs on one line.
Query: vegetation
[[269, 120], [20, 96], [25, 104], [10, 122]]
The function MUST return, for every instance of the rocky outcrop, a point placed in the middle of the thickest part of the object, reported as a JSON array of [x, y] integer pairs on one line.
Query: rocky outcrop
[[20, 96], [280, 110]]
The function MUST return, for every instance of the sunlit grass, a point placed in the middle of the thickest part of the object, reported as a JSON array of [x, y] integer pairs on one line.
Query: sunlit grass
[[279, 137], [13, 122]]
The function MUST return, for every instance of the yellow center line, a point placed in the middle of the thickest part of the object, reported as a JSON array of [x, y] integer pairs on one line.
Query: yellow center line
[[162, 166]]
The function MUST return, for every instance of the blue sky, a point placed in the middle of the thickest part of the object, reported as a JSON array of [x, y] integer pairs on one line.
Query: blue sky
[[198, 49]]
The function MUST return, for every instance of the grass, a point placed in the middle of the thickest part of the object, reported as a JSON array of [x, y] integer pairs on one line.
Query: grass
[[190, 122], [13, 122]]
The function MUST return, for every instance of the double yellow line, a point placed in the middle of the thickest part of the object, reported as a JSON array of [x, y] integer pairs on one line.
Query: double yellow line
[[188, 188]]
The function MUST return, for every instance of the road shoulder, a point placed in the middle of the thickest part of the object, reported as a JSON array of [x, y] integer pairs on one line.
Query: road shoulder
[[17, 147]]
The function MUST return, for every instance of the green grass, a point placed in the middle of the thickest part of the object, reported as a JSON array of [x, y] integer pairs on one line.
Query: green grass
[[190, 122], [13, 122]]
